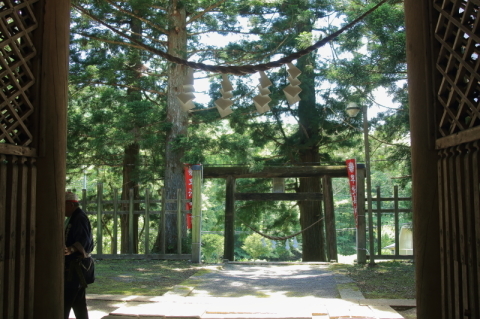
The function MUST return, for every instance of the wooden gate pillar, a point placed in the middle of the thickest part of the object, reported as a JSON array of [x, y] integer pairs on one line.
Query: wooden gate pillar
[[229, 244], [330, 229], [196, 214], [51, 70], [361, 220], [420, 61]]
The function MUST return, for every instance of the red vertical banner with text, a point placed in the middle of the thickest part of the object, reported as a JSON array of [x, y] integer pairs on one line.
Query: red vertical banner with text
[[352, 178], [187, 170]]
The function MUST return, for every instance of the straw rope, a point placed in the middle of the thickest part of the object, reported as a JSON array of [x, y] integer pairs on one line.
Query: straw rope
[[242, 69], [286, 237]]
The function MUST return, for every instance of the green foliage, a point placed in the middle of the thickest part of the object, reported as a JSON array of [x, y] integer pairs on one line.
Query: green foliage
[[212, 248], [391, 279], [281, 253], [118, 97], [139, 277], [257, 246]]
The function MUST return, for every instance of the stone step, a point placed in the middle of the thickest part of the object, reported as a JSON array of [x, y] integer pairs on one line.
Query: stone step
[[257, 308]]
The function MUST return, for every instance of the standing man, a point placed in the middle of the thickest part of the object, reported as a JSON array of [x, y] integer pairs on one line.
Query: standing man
[[79, 265]]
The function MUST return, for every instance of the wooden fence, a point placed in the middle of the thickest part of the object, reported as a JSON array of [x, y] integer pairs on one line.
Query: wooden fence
[[379, 212], [118, 209], [126, 207]]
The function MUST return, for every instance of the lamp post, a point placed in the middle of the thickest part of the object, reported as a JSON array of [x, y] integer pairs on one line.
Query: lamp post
[[352, 111]]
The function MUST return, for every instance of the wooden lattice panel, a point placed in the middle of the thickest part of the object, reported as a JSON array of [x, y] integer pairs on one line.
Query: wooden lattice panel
[[458, 62], [17, 22]]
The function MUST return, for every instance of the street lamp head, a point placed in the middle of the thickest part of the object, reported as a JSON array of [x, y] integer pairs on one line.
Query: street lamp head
[[352, 109]]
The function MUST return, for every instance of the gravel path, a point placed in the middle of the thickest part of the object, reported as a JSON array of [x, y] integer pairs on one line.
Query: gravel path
[[237, 280]]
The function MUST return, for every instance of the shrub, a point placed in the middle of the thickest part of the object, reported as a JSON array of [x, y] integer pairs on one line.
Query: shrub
[[256, 246], [212, 248]]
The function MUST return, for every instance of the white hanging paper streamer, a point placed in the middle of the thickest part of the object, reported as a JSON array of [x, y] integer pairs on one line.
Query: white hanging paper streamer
[[293, 89], [287, 245], [295, 243], [261, 101], [223, 104], [274, 244], [187, 96]]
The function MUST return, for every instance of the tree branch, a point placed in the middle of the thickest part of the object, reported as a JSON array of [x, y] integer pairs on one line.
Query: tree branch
[[201, 14], [244, 69], [123, 86], [137, 17]]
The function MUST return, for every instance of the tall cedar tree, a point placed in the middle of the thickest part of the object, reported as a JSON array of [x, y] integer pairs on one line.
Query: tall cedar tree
[[328, 84], [105, 50], [310, 128], [280, 27]]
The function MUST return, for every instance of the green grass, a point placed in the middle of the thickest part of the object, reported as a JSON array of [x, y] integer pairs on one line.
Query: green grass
[[389, 280], [139, 277]]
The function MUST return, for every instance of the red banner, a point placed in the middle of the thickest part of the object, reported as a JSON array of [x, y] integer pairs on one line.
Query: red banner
[[189, 220], [352, 178], [188, 192]]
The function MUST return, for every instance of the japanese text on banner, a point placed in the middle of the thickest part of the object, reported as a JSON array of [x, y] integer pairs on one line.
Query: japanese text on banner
[[352, 178], [187, 170]]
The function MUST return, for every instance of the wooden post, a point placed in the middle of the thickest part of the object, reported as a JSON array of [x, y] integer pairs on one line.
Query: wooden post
[[229, 243], [84, 200], [3, 204], [330, 229], [30, 239], [130, 221], [379, 222], [115, 221], [50, 69], [179, 221], [163, 223], [147, 221], [11, 264], [196, 214], [422, 95], [361, 227], [397, 229], [99, 238], [21, 230]]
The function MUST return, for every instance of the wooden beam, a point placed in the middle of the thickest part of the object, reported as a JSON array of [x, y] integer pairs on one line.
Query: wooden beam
[[17, 150], [393, 257], [275, 171], [466, 136], [279, 196], [50, 68], [422, 90]]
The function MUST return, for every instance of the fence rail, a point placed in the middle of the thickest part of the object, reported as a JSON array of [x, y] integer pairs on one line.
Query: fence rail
[[379, 211], [119, 210], [119, 205]]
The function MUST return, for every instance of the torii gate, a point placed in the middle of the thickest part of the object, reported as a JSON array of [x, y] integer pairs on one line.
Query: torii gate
[[326, 172]]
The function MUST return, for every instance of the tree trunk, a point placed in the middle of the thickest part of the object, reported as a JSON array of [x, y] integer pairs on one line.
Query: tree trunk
[[132, 151], [177, 46], [129, 181], [309, 119], [310, 212]]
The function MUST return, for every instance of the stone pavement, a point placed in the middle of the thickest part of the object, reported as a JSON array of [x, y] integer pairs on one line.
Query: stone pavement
[[258, 290]]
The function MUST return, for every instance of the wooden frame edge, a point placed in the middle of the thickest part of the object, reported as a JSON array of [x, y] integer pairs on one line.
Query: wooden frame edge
[[9, 149], [466, 136]]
